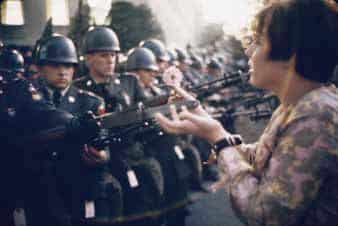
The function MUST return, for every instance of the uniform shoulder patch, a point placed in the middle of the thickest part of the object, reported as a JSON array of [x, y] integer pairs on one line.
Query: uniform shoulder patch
[[88, 94]]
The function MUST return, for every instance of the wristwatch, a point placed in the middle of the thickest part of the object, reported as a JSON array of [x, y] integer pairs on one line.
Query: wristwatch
[[223, 143]]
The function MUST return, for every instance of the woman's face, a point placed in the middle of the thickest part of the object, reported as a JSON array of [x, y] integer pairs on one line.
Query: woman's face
[[264, 72]]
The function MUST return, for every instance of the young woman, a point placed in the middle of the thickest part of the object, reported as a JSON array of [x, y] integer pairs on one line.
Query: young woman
[[290, 176]]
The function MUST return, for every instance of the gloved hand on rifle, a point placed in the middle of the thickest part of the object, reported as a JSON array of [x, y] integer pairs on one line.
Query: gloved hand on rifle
[[94, 157], [84, 128]]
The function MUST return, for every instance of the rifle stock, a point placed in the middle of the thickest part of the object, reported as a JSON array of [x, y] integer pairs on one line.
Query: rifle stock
[[113, 121]]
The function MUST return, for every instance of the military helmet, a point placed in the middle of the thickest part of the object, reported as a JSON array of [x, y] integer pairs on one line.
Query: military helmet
[[57, 49], [172, 57], [141, 58], [197, 62], [11, 61], [182, 56], [214, 64], [100, 39], [158, 49]]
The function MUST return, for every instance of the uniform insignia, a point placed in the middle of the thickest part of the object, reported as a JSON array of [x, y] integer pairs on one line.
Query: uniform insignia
[[101, 110], [32, 89], [117, 81], [91, 94], [11, 112], [89, 83], [1, 78], [179, 152], [36, 96], [71, 99], [126, 98]]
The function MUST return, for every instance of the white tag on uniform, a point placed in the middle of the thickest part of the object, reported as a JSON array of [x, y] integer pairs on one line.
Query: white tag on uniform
[[19, 217], [89, 209], [133, 182], [179, 152]]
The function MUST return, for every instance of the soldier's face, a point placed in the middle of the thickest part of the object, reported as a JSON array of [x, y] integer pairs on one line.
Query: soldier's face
[[183, 67], [58, 76], [214, 72], [146, 77], [101, 64], [162, 65]]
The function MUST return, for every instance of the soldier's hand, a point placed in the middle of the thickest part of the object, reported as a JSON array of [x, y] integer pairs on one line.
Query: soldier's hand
[[94, 157], [84, 128]]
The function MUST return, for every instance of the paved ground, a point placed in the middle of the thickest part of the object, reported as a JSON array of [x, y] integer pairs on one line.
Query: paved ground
[[212, 209]]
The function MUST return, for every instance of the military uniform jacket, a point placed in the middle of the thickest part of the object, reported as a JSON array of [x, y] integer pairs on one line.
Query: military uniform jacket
[[118, 92], [74, 100], [163, 147], [24, 112], [24, 109], [74, 180]]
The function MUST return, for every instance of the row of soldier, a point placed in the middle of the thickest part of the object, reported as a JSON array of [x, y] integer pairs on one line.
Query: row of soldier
[[67, 180]]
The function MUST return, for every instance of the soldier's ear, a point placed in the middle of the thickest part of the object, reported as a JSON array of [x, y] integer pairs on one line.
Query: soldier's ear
[[88, 59]]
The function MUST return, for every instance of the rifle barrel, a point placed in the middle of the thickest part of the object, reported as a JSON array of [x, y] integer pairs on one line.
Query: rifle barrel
[[122, 119]]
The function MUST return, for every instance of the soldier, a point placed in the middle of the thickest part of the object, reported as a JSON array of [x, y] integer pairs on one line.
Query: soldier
[[172, 57], [13, 62], [160, 52], [197, 65], [79, 183], [24, 112], [165, 148], [214, 70], [192, 155], [140, 176], [184, 66]]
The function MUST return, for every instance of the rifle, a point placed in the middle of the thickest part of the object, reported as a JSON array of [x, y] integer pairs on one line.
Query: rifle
[[227, 78], [237, 99], [201, 90], [121, 122], [254, 115], [260, 100], [203, 93]]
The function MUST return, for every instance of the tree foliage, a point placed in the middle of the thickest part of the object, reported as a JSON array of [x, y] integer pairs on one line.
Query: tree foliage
[[47, 32], [211, 34], [80, 24], [133, 23]]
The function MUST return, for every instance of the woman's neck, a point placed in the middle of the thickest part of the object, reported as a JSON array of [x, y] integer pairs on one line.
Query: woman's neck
[[294, 88]]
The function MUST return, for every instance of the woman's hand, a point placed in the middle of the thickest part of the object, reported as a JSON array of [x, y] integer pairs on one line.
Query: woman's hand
[[196, 122]]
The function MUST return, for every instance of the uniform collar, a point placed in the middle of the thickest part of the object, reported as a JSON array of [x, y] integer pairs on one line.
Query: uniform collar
[[63, 92], [108, 80]]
